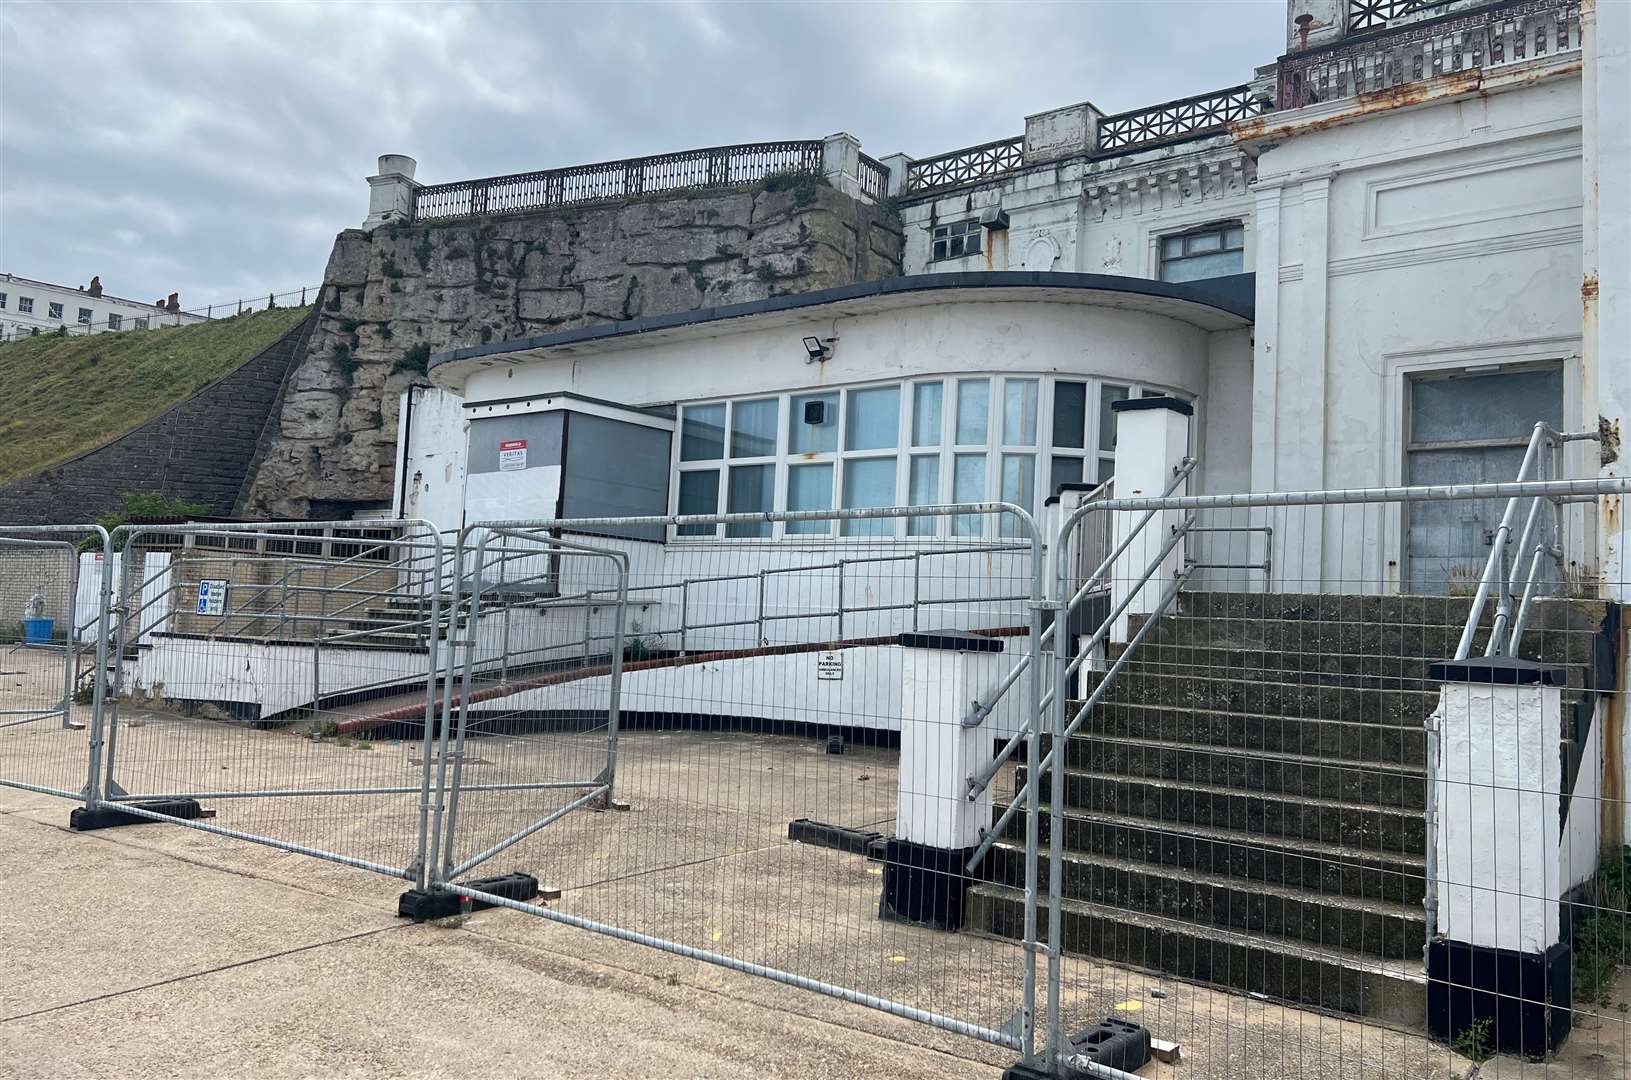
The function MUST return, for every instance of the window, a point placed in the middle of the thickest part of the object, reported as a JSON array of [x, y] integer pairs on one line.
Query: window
[[55, 311], [928, 441], [114, 321], [25, 304], [84, 316], [2, 301], [141, 322], [956, 240], [1213, 251]]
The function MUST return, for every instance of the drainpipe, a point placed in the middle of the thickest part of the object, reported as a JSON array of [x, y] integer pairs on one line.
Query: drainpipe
[[402, 455]]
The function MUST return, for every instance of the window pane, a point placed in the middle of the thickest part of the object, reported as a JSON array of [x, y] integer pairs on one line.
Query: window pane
[[699, 494], [1172, 247], [1107, 470], [1107, 419], [1200, 243], [1065, 470], [1019, 412], [803, 438], [1018, 482], [874, 419], [1204, 266], [973, 404], [753, 428], [968, 485], [926, 413], [1235, 237], [703, 433], [971, 243], [1069, 414], [869, 482], [751, 489], [809, 487], [924, 490]]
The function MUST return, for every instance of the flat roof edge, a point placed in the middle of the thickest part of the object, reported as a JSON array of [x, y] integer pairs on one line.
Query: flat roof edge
[[1232, 295]]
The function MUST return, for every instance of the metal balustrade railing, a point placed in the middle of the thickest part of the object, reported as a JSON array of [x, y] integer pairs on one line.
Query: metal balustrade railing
[[713, 167], [1484, 37], [966, 166], [1175, 121], [1544, 453]]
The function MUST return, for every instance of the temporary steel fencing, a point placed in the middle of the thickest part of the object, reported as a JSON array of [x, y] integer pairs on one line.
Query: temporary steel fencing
[[1267, 797], [709, 765], [47, 738], [1290, 827]]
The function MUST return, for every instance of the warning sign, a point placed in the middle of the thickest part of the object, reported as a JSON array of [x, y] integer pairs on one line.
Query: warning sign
[[212, 597], [512, 455], [829, 665]]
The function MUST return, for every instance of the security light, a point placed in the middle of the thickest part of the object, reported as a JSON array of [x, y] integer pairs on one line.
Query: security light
[[815, 348]]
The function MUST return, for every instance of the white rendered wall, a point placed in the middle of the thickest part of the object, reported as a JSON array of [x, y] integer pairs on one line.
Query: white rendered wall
[[1500, 866], [1415, 240], [959, 332]]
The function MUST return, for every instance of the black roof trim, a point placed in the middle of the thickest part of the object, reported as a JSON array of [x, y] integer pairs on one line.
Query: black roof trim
[[1231, 295], [949, 640], [1177, 405], [1499, 670]]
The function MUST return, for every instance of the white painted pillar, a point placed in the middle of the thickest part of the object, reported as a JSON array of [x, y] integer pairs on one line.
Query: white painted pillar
[[897, 164], [390, 191], [1310, 407], [937, 826], [841, 162], [1266, 335], [1496, 951], [1152, 441], [942, 675]]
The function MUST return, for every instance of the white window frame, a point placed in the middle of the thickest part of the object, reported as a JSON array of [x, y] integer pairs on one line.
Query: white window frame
[[994, 448], [53, 310], [115, 321], [85, 316], [25, 305]]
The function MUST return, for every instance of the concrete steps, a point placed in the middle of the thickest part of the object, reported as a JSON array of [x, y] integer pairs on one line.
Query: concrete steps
[[1394, 992], [1245, 806]]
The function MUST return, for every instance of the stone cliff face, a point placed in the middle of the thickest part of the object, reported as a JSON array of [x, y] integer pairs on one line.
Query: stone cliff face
[[393, 297]]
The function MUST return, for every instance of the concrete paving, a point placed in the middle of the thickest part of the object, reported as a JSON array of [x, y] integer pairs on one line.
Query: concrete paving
[[159, 950]]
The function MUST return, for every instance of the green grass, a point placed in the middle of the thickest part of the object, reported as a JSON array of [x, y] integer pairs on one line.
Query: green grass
[[63, 396]]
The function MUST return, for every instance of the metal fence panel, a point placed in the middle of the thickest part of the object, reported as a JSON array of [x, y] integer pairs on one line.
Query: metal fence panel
[[759, 758], [248, 657], [50, 677], [1288, 828]]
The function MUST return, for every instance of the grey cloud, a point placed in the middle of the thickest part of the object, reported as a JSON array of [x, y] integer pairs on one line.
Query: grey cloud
[[216, 149]]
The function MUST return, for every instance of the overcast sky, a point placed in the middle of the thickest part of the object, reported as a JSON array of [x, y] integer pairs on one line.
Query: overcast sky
[[216, 149]]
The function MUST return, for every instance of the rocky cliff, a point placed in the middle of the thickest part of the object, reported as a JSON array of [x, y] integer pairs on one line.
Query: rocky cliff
[[393, 297]]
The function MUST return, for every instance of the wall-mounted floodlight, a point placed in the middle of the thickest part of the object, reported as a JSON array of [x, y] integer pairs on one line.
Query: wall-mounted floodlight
[[816, 349]]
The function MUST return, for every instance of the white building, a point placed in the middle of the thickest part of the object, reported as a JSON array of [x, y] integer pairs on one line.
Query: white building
[[29, 307], [1380, 263]]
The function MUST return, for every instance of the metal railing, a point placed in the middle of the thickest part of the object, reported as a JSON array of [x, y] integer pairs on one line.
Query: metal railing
[[1376, 14], [1484, 37], [1519, 587], [1176, 121], [965, 166], [874, 178], [714, 167]]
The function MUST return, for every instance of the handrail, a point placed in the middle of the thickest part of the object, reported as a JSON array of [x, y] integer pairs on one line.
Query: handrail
[[1502, 642]]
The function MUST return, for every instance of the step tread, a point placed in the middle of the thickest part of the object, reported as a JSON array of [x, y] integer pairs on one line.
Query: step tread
[[1317, 760], [1223, 789], [1356, 904], [1408, 970], [1345, 853]]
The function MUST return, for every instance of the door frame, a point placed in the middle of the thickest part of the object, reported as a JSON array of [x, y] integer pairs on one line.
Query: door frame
[[1399, 368]]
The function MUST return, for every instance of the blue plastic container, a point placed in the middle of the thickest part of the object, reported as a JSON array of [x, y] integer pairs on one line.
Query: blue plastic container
[[38, 631]]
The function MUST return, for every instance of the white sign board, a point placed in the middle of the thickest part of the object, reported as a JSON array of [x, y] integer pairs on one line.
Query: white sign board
[[512, 455], [212, 597], [829, 665]]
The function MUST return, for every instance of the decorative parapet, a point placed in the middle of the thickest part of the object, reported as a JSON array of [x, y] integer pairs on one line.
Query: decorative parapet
[[966, 166], [715, 167], [1176, 121], [1486, 37]]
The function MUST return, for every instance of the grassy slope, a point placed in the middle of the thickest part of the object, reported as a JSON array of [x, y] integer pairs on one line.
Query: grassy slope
[[62, 396]]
